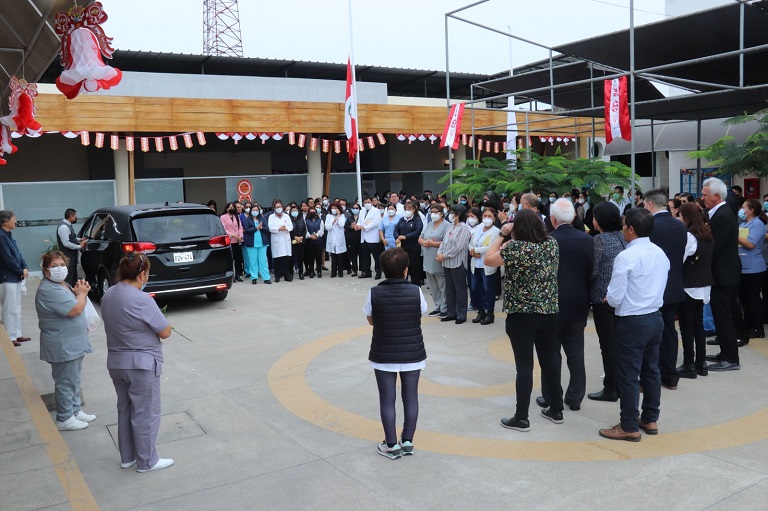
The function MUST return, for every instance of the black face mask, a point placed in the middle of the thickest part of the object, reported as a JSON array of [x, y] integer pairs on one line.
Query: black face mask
[[232, 211]]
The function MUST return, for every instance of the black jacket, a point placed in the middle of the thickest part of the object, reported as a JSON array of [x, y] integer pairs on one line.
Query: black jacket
[[726, 265], [577, 257], [299, 227], [669, 234], [411, 229], [396, 313]]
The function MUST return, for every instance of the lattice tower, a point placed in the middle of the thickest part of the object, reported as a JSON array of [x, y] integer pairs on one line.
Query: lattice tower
[[221, 28]]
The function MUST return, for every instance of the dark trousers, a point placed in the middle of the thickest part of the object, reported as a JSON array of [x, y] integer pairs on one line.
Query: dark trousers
[[570, 335], [525, 332], [668, 348], [297, 257], [369, 250], [456, 292], [313, 258], [691, 315], [353, 253], [637, 357], [415, 265], [71, 268], [723, 303], [749, 294], [337, 267], [483, 290], [237, 254], [282, 266], [605, 325]]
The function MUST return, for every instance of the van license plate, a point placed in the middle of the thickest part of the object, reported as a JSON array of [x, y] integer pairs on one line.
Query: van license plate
[[183, 257]]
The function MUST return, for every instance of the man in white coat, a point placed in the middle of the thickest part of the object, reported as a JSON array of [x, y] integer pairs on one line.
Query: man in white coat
[[370, 243], [280, 226]]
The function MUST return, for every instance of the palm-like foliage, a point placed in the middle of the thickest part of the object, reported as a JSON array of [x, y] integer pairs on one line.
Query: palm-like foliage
[[535, 173], [745, 159]]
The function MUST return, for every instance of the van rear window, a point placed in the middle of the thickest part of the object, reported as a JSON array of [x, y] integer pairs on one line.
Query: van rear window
[[176, 227]]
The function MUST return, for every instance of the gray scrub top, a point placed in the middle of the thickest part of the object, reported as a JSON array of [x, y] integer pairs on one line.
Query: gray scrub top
[[61, 338]]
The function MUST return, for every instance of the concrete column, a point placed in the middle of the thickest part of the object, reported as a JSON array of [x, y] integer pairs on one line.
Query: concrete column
[[122, 175], [315, 170]]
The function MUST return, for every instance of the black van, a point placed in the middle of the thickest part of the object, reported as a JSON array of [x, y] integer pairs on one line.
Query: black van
[[186, 244]]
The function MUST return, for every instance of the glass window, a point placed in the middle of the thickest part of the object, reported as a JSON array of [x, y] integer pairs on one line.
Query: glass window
[[159, 191], [176, 226]]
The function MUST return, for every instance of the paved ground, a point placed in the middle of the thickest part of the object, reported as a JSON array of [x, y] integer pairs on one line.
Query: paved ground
[[269, 403]]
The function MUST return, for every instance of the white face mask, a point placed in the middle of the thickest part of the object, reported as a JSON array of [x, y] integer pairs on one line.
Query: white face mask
[[58, 273], [435, 217], [325, 202], [367, 206], [408, 214], [582, 201], [487, 222], [391, 212], [451, 217], [278, 210], [247, 210], [472, 221], [335, 212]]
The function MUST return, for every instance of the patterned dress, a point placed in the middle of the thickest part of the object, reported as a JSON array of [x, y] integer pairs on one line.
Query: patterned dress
[[530, 283]]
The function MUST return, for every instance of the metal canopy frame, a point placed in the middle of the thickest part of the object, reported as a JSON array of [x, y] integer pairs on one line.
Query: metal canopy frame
[[654, 73]]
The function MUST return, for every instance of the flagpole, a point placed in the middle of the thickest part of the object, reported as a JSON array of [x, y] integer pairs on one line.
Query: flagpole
[[354, 102]]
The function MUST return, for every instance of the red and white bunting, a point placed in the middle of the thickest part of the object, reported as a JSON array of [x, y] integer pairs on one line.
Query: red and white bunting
[[144, 144], [371, 144], [85, 138], [487, 146], [302, 140], [291, 138], [159, 144], [360, 145], [250, 136], [99, 140], [313, 144], [129, 144], [495, 147], [114, 142], [337, 146], [463, 139], [326, 145], [201, 138], [471, 142], [187, 140], [277, 136], [381, 138], [173, 143]]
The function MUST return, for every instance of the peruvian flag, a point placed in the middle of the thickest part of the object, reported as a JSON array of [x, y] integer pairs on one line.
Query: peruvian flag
[[350, 114], [450, 136], [617, 123]]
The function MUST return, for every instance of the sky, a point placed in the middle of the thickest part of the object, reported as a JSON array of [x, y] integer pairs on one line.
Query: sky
[[393, 33]]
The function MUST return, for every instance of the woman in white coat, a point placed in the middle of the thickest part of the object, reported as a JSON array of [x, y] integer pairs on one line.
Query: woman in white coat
[[280, 226], [335, 243]]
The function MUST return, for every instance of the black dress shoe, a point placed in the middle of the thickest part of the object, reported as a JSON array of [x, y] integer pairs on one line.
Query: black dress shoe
[[742, 342], [319, 275], [461, 321], [702, 369], [289, 278], [277, 279], [364, 275], [301, 276], [377, 277], [669, 386], [267, 281], [604, 396], [754, 334], [254, 282], [480, 317], [714, 358], [687, 371], [238, 279], [573, 406], [488, 319], [724, 365], [713, 342], [709, 333], [448, 318], [542, 402]]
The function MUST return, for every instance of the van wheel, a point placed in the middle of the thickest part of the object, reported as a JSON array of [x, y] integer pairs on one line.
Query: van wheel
[[216, 296], [103, 284]]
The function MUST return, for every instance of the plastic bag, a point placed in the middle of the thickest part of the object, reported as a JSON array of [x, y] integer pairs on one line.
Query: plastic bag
[[91, 315]]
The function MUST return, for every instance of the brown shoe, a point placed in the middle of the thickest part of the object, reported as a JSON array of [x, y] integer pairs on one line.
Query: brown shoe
[[650, 428], [616, 433], [23, 339], [16, 343]]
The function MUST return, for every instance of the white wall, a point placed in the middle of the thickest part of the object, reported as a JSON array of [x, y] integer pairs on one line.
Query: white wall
[[680, 7]]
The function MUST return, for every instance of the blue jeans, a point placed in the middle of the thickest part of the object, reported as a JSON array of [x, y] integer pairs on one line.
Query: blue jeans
[[637, 356], [482, 289]]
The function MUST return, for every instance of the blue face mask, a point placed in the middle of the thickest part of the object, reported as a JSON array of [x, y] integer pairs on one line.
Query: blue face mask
[[294, 214], [742, 214], [463, 202], [765, 206], [520, 207], [552, 200]]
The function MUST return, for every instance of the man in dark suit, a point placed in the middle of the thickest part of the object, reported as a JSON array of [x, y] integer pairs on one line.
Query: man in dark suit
[[573, 275], [726, 274], [670, 235]]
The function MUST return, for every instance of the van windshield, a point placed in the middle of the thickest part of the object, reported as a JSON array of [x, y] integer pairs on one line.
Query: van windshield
[[176, 226]]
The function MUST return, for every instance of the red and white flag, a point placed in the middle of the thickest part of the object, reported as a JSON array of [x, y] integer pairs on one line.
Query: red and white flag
[[452, 129], [350, 114], [617, 122]]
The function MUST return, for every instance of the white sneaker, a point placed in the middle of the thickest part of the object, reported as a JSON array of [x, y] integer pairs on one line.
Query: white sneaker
[[128, 465], [160, 465], [82, 416], [71, 424]]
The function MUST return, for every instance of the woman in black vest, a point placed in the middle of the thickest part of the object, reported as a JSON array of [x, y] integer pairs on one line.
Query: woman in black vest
[[313, 246], [697, 281], [394, 308], [407, 232]]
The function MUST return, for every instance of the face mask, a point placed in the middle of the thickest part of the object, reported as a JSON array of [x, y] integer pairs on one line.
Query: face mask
[[582, 201], [445, 211], [325, 202], [255, 212], [452, 218], [343, 207], [58, 273], [742, 214], [294, 214], [335, 212], [482, 208], [355, 211], [463, 202], [318, 210], [232, 211], [487, 222], [472, 221], [506, 205], [408, 214], [616, 196], [520, 207], [765, 206], [391, 212], [422, 205], [367, 206], [435, 217], [247, 210], [278, 210], [552, 200]]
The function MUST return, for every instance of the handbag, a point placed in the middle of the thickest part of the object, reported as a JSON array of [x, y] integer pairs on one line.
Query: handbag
[[91, 316]]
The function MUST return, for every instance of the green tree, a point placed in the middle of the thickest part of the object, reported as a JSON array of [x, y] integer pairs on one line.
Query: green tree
[[745, 159], [538, 174]]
